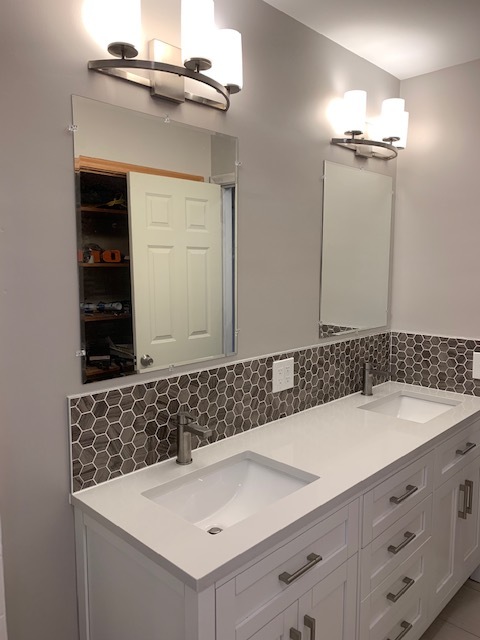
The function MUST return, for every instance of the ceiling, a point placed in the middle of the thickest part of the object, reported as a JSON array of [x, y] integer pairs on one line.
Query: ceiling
[[405, 37]]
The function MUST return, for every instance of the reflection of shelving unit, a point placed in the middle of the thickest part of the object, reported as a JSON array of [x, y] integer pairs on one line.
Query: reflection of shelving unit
[[104, 317], [103, 221], [84, 265], [103, 229]]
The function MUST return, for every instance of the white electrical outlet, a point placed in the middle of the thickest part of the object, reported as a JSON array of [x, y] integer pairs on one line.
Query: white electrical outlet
[[282, 374], [476, 365]]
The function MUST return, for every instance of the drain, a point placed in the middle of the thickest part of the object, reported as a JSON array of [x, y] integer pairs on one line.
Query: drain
[[214, 530]]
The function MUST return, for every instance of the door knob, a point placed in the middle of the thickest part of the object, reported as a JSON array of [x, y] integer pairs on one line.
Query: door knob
[[146, 360]]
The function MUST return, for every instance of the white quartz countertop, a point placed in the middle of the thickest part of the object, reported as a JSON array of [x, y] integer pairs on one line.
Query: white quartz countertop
[[349, 449]]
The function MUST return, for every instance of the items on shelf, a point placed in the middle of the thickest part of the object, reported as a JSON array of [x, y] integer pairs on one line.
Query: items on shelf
[[94, 254], [106, 307]]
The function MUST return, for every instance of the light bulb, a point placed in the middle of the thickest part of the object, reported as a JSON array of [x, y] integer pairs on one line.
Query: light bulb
[[227, 65], [394, 122], [355, 110], [198, 33], [114, 21]]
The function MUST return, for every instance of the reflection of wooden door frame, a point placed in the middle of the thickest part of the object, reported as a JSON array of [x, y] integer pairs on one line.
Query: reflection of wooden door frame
[[111, 166]]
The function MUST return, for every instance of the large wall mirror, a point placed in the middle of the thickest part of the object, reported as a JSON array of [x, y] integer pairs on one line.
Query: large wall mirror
[[356, 239], [156, 217]]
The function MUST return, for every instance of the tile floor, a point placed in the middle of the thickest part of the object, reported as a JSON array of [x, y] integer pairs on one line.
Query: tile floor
[[460, 620]]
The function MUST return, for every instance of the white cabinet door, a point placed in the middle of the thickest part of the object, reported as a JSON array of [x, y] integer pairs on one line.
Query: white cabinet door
[[447, 500], [469, 527], [282, 627], [176, 244], [329, 609]]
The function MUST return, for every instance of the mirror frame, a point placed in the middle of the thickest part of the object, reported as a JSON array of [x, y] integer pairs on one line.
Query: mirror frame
[[230, 346], [354, 333]]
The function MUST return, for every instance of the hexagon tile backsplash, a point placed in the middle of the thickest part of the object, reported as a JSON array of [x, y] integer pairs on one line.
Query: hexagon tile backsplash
[[433, 361], [121, 430]]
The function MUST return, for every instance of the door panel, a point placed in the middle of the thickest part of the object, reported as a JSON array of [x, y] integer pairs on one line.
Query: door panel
[[469, 528], [176, 245], [445, 543], [329, 609], [282, 627]]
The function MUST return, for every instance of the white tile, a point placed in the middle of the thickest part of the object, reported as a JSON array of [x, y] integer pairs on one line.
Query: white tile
[[2, 590], [464, 610], [3, 628], [442, 630], [473, 584]]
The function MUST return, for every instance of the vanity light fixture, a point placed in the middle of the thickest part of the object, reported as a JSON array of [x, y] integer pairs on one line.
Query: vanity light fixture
[[391, 128], [209, 55]]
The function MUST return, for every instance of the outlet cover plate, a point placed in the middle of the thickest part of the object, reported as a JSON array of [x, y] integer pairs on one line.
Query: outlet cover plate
[[476, 365], [282, 374]]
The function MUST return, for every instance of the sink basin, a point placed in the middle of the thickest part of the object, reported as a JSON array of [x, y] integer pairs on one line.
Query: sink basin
[[227, 492], [411, 406]]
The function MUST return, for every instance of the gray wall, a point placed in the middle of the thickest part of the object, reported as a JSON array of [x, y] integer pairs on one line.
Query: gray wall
[[291, 74], [437, 223]]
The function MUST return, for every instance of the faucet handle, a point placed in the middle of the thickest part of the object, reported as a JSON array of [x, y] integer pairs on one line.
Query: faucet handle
[[183, 418]]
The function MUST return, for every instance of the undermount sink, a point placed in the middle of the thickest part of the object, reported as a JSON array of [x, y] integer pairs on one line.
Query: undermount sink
[[229, 491], [411, 406]]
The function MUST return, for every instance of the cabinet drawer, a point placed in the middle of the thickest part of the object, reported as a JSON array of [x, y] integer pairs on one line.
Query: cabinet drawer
[[410, 622], [451, 455], [391, 499], [407, 582], [395, 545], [265, 583]]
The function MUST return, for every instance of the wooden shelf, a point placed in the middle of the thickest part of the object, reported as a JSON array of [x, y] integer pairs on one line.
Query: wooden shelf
[[105, 317], [103, 264], [93, 373], [85, 209]]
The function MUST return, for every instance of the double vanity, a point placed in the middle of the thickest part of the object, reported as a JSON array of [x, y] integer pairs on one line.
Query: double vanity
[[356, 520]]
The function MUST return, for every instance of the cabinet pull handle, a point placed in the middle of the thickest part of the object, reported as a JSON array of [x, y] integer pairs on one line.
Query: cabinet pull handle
[[463, 513], [468, 447], [410, 490], [469, 485], [288, 578], [408, 538], [406, 626], [310, 623], [295, 634], [393, 597]]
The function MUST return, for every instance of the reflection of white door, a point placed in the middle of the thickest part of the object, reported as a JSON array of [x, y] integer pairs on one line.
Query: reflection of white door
[[176, 253]]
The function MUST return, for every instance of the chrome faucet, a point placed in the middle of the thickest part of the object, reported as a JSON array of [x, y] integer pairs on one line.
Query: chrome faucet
[[368, 374], [186, 425]]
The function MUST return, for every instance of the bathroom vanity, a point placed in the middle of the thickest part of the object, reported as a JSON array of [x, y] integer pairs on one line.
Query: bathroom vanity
[[356, 520]]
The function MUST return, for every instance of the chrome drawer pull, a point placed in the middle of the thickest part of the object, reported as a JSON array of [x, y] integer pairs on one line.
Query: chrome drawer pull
[[468, 447], [393, 597], [288, 578], [406, 626], [310, 623], [295, 634], [408, 538], [463, 513], [469, 485], [410, 490]]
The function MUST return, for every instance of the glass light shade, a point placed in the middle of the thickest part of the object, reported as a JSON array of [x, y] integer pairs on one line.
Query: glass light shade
[[394, 121], [355, 110], [227, 65], [110, 21], [403, 118], [198, 26], [392, 106]]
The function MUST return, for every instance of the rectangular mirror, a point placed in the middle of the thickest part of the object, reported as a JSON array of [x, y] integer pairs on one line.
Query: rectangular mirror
[[156, 219], [357, 213]]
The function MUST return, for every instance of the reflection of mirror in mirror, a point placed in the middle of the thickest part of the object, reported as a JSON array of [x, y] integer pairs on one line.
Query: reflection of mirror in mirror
[[156, 204], [355, 250]]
